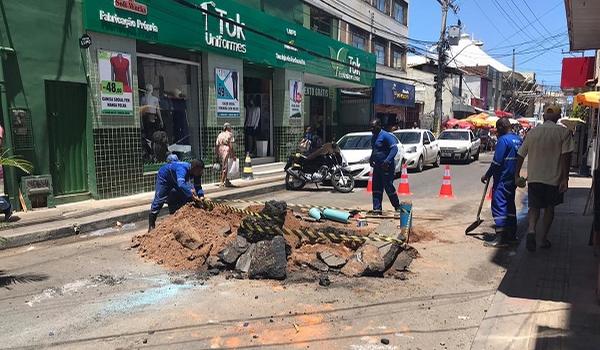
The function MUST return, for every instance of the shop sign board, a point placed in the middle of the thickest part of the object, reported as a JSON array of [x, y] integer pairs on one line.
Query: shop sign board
[[388, 92], [296, 97], [227, 88], [229, 28], [116, 95]]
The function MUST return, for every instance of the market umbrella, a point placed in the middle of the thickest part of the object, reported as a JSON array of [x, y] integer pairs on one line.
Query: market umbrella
[[513, 121], [450, 123], [479, 116], [465, 124], [491, 121], [479, 123], [590, 99], [524, 122]]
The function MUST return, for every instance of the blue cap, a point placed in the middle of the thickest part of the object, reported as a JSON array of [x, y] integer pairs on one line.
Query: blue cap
[[172, 158]]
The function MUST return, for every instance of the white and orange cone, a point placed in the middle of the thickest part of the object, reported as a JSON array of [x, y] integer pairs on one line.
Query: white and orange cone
[[446, 189], [404, 187]]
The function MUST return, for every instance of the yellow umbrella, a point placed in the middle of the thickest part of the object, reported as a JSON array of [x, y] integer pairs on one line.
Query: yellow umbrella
[[480, 116], [590, 99]]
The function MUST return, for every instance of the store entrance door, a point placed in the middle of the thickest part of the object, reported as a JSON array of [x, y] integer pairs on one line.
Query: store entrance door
[[258, 123], [66, 105], [318, 119]]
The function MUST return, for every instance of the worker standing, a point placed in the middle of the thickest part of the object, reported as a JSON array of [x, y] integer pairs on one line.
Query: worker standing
[[176, 184], [502, 170], [384, 147]]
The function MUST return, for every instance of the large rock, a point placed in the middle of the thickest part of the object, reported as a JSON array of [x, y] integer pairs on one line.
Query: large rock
[[275, 209], [232, 252], [404, 259], [388, 250], [268, 260], [354, 267], [331, 260], [255, 229], [318, 265]]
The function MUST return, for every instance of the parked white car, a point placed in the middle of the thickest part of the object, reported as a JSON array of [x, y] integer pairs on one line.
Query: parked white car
[[356, 151], [420, 146], [459, 144]]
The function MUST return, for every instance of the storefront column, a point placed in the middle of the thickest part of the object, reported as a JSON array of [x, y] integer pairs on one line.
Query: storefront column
[[287, 131]]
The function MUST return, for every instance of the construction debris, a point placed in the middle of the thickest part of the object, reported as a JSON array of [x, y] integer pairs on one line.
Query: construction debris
[[254, 245]]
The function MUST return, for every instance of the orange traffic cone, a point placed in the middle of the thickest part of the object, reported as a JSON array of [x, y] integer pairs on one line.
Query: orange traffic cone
[[370, 183], [446, 189], [404, 187], [489, 195]]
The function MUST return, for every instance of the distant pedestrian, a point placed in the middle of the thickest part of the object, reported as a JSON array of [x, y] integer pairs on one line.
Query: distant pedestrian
[[5, 208], [548, 147], [383, 152], [176, 184], [502, 170], [310, 142], [224, 149]]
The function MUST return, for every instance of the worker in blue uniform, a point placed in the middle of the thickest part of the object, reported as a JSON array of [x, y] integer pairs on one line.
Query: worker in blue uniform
[[502, 170], [384, 147], [176, 184]]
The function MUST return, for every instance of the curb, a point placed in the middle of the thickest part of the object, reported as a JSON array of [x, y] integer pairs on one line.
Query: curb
[[102, 220]]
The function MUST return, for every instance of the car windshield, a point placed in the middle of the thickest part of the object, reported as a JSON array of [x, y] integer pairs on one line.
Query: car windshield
[[454, 135], [355, 142], [408, 137]]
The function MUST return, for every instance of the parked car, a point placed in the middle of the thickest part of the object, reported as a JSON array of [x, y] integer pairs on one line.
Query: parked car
[[459, 144], [356, 150], [421, 148]]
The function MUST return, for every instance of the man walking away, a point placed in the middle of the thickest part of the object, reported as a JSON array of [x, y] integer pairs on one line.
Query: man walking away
[[549, 147], [502, 170], [176, 184], [383, 150]]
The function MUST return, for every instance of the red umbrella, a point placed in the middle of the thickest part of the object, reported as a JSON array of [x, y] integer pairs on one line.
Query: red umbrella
[[502, 114], [450, 123], [463, 124], [524, 122]]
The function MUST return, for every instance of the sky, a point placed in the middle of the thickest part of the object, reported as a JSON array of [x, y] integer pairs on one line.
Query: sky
[[503, 25]]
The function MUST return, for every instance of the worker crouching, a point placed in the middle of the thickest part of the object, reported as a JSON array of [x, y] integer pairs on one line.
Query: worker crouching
[[176, 184]]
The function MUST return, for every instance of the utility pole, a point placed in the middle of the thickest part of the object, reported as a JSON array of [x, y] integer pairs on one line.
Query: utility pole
[[441, 67], [512, 80]]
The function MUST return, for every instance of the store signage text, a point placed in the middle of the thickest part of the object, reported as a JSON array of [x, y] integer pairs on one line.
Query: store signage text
[[345, 66], [235, 39], [290, 59], [316, 91], [402, 94], [131, 6], [128, 22]]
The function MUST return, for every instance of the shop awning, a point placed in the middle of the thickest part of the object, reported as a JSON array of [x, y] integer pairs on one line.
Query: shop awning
[[576, 71], [502, 114], [589, 99], [583, 24]]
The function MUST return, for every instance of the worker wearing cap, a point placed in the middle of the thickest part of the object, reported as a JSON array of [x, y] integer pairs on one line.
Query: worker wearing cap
[[548, 147], [502, 170], [176, 184], [384, 147]]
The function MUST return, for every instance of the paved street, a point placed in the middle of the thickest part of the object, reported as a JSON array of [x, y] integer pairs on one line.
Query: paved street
[[92, 291]]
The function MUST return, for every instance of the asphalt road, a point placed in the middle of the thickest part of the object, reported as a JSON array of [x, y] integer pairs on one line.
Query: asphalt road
[[93, 292]]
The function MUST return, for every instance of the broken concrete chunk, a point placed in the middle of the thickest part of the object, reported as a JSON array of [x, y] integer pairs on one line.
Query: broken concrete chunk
[[332, 260], [268, 260], [318, 265], [231, 253], [275, 209], [354, 268], [186, 240], [214, 262], [254, 229], [404, 259], [243, 262], [372, 259], [225, 230], [390, 228]]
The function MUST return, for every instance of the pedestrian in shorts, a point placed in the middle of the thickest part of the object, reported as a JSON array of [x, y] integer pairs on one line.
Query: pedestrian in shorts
[[548, 147]]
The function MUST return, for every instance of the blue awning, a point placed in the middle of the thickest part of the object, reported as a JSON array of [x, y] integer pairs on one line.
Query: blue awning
[[389, 92]]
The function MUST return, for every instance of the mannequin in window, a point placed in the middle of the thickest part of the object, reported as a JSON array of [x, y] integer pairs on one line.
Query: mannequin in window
[[251, 125], [152, 122]]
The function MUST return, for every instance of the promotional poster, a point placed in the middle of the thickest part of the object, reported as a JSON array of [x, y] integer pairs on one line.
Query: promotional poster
[[227, 85], [116, 94], [296, 96]]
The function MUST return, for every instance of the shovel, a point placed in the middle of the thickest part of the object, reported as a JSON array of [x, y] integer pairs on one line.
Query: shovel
[[478, 221]]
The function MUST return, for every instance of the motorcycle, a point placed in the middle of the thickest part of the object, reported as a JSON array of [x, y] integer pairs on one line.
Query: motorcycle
[[324, 164]]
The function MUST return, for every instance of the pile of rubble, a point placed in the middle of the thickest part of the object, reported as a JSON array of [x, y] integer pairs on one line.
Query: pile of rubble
[[223, 240]]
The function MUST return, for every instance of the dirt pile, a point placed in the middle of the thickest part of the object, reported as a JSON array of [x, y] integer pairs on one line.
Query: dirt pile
[[254, 247]]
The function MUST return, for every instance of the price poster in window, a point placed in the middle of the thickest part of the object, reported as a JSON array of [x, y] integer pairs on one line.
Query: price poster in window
[[116, 94], [227, 85]]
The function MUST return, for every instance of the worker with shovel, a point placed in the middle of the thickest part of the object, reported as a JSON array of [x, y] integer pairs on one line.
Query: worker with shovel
[[176, 184], [502, 170]]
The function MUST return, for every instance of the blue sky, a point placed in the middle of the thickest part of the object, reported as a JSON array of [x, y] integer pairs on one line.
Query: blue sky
[[502, 25]]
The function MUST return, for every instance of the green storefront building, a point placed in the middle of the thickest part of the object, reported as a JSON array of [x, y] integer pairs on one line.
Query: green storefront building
[[96, 93]]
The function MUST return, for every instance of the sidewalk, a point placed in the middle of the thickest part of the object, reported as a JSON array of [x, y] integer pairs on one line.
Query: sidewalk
[[86, 216], [547, 299]]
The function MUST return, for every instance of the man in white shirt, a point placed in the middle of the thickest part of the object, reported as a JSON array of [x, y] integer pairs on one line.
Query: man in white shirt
[[549, 147]]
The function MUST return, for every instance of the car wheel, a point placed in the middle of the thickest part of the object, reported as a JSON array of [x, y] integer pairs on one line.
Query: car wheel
[[437, 161], [419, 166]]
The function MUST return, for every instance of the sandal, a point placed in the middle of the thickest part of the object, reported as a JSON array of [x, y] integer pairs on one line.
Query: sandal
[[546, 244], [531, 244]]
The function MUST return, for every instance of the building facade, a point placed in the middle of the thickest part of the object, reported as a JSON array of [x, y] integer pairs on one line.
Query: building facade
[[133, 81]]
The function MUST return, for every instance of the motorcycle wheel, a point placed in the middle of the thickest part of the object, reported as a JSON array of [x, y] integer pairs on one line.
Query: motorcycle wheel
[[293, 183], [342, 181]]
